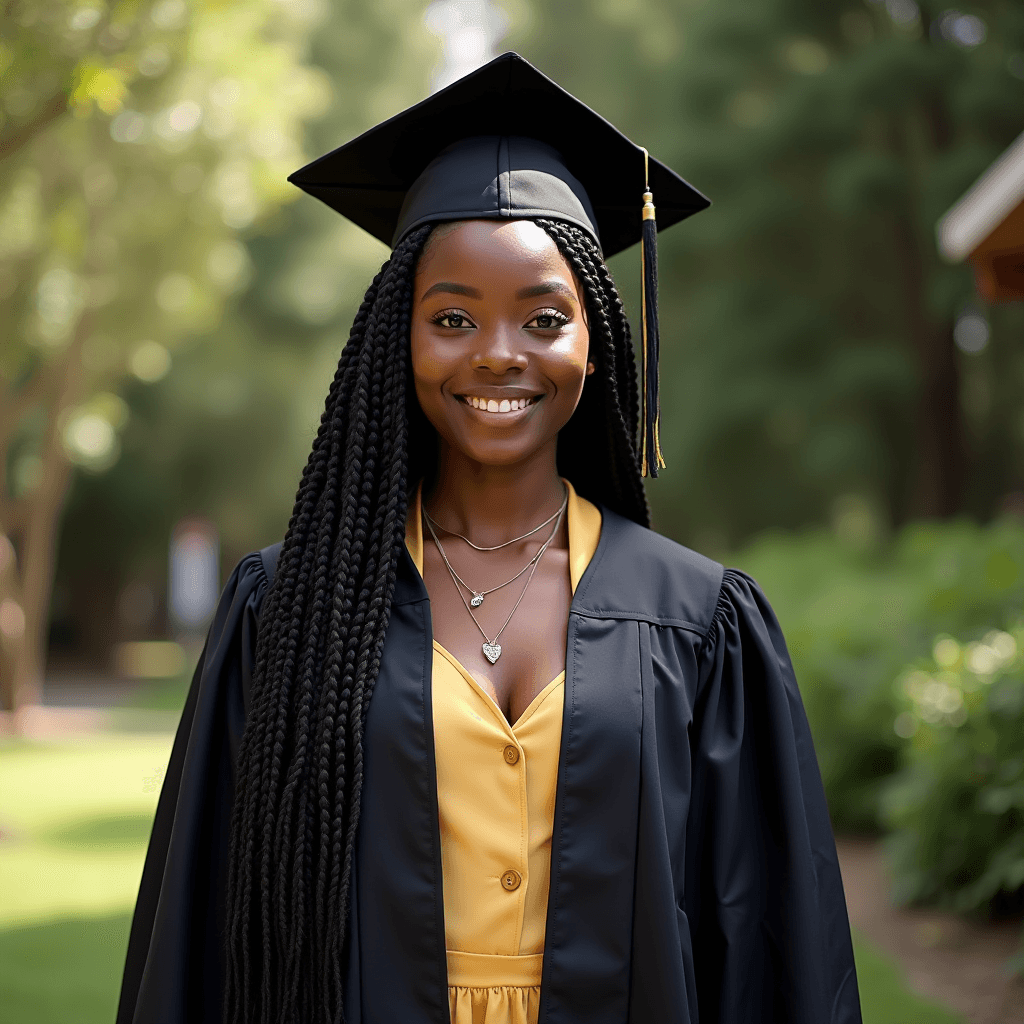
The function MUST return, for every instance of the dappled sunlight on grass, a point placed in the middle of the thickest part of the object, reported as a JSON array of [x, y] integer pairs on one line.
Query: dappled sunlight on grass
[[76, 818], [63, 971], [103, 832]]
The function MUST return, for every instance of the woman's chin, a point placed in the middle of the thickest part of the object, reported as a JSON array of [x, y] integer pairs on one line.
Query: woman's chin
[[501, 452]]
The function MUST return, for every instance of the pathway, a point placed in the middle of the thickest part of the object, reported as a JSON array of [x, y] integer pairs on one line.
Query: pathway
[[952, 960]]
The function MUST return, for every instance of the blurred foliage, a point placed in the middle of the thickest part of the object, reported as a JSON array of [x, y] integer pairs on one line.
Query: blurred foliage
[[806, 319], [155, 294], [255, 381], [177, 126], [857, 610], [137, 139], [957, 808]]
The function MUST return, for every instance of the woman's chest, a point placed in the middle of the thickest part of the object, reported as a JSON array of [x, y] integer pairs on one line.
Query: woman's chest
[[513, 642]]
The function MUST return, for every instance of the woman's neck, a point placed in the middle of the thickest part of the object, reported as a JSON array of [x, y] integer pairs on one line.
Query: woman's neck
[[493, 504]]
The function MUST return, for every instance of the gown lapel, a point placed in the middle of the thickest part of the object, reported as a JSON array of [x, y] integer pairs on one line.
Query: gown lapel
[[593, 848], [399, 972]]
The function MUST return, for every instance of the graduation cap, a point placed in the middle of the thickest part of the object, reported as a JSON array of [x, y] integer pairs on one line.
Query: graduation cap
[[507, 142]]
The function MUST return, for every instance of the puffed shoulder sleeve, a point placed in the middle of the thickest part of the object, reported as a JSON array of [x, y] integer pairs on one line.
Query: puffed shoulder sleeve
[[174, 967], [764, 894]]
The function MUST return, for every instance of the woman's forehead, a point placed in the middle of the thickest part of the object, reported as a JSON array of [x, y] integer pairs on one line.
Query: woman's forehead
[[516, 249]]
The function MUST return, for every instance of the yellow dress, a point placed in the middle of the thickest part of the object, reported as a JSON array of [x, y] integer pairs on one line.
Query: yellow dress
[[496, 802]]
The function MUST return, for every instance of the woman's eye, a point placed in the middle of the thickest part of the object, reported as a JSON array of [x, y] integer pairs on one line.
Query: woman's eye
[[454, 320], [548, 319]]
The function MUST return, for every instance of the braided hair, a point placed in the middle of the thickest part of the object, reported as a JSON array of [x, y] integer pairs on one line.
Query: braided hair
[[325, 616]]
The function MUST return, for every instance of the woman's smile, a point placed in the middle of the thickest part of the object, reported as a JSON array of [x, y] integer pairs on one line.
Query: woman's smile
[[500, 404]]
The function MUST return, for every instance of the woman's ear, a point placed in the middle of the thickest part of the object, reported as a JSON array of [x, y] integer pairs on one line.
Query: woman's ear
[[590, 367]]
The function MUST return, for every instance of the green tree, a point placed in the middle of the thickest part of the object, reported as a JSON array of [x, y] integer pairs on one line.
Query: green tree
[[138, 139], [809, 358], [226, 432]]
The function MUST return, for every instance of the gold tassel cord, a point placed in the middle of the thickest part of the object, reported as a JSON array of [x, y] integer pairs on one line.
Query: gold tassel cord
[[650, 460], [643, 353]]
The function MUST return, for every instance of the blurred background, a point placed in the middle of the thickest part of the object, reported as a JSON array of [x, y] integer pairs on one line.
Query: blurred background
[[843, 381]]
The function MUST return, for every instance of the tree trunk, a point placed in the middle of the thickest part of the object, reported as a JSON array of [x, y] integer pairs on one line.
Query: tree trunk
[[37, 568], [15, 139], [936, 490], [939, 486], [11, 630], [39, 524]]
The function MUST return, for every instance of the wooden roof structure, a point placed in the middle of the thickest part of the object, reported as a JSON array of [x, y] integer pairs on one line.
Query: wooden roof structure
[[986, 227]]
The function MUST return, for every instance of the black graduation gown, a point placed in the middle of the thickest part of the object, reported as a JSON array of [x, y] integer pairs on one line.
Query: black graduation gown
[[694, 874]]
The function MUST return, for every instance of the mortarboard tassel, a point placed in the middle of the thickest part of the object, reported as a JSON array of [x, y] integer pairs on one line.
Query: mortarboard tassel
[[650, 440]]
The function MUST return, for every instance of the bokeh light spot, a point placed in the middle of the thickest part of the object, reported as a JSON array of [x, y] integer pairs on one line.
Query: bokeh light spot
[[971, 332], [84, 18], [150, 362], [90, 441], [807, 56], [174, 293]]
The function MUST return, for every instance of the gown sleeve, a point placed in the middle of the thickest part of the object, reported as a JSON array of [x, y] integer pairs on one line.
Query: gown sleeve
[[771, 937], [174, 968]]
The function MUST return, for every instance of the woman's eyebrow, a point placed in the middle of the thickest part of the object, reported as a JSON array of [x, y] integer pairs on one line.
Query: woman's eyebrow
[[452, 288], [547, 288]]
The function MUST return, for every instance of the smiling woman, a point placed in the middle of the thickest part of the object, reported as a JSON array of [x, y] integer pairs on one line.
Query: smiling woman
[[609, 809]]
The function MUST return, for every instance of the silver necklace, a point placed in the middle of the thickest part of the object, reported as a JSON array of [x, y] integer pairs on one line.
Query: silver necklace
[[514, 540], [478, 595], [491, 648]]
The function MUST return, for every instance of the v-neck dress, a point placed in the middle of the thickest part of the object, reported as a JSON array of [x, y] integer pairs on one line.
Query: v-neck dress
[[496, 786]]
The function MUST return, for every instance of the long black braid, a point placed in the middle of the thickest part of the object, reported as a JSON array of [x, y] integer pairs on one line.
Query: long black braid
[[324, 620]]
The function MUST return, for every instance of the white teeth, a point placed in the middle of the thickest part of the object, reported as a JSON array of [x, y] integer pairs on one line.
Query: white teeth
[[492, 405]]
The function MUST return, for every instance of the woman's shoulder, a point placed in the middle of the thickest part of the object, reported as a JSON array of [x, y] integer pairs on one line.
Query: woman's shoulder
[[268, 560], [248, 583], [640, 573]]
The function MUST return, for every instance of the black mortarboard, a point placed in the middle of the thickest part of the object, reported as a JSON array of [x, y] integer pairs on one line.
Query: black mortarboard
[[508, 142]]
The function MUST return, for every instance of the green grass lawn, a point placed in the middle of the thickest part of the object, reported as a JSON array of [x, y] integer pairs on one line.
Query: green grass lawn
[[74, 817], [884, 998]]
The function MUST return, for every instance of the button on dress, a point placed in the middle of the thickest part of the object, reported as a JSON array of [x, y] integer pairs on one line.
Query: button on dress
[[496, 787]]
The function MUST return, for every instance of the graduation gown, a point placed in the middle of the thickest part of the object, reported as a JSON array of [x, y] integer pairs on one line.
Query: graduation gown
[[694, 875]]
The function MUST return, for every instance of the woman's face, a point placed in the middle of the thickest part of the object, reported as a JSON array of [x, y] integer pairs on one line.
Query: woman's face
[[499, 339]]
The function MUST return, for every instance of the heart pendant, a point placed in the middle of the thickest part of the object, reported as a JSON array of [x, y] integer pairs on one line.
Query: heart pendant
[[492, 652], [478, 599]]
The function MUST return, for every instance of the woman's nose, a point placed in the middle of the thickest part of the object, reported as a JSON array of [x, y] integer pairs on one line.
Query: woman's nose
[[498, 351]]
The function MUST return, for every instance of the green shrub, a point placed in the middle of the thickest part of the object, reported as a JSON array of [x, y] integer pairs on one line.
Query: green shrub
[[856, 612], [957, 807]]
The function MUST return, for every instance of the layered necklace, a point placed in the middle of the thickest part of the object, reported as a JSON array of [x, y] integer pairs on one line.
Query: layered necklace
[[490, 646]]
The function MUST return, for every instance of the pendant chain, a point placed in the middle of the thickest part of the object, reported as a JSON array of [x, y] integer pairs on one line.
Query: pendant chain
[[491, 648], [478, 595], [498, 547]]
